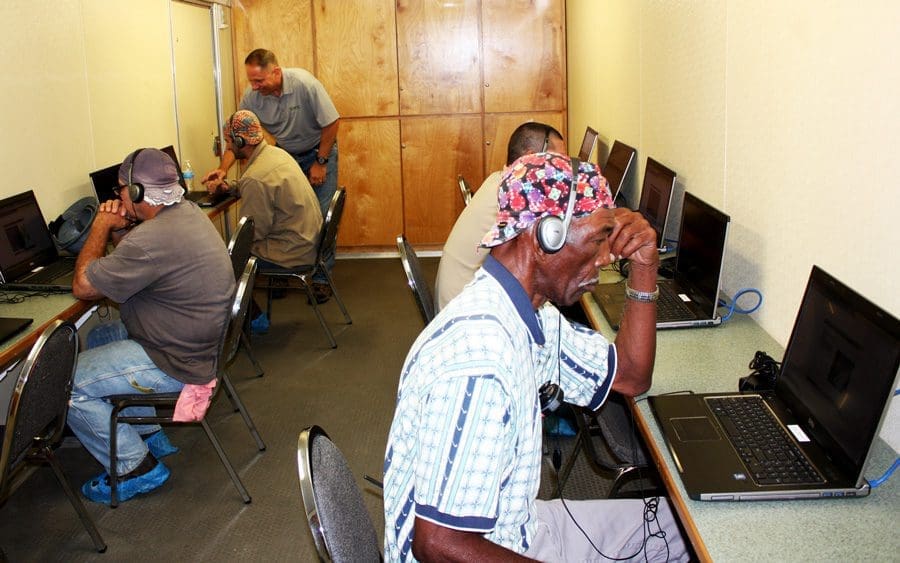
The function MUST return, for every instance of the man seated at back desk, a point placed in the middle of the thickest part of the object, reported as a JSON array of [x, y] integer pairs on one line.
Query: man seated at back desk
[[274, 192], [461, 255], [463, 461]]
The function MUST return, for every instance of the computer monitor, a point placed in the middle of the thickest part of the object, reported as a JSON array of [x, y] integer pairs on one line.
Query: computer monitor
[[656, 196], [617, 165], [587, 145], [106, 180]]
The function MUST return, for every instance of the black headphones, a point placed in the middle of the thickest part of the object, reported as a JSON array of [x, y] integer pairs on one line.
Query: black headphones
[[135, 189], [236, 140], [551, 230]]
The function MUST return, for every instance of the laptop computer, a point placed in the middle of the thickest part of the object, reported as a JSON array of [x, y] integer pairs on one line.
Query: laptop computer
[[10, 326], [656, 197], [839, 373], [29, 259], [690, 298], [106, 183], [618, 163], [587, 145]]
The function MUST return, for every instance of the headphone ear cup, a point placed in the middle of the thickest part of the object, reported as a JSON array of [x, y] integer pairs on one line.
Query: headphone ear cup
[[136, 193], [551, 234], [238, 141]]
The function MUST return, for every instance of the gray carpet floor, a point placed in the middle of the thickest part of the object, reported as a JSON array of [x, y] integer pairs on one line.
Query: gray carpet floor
[[198, 515]]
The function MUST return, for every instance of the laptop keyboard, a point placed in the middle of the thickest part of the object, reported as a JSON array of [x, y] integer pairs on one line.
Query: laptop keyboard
[[52, 271], [762, 443], [670, 307]]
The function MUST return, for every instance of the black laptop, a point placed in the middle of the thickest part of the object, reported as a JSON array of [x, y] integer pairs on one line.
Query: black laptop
[[690, 298], [10, 326], [587, 145], [29, 260], [618, 163], [839, 372], [106, 183]]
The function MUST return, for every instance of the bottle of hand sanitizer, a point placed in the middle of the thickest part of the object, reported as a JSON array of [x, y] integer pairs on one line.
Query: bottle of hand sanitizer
[[188, 174]]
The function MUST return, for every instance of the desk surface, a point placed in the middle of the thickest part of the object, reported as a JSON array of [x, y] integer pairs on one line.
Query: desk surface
[[712, 360]]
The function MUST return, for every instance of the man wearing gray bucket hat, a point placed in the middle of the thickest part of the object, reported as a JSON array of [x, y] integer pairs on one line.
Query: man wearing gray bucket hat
[[173, 281]]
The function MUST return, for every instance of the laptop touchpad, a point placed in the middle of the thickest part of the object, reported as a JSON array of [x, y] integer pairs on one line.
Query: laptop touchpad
[[694, 429]]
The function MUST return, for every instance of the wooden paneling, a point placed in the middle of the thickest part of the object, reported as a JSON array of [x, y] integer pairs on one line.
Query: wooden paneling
[[281, 26], [439, 57], [434, 151], [369, 167], [499, 127], [524, 55], [356, 55]]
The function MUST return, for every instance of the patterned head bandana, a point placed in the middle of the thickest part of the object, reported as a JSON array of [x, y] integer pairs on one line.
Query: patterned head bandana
[[156, 171], [245, 124], [537, 185]]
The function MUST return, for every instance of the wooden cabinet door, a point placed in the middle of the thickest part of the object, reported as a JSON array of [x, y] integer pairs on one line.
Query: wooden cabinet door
[[439, 57], [434, 151], [284, 27], [524, 61], [369, 167], [498, 128], [356, 55]]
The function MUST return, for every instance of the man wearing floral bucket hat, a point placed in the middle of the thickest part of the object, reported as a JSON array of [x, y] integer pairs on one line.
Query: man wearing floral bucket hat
[[462, 466]]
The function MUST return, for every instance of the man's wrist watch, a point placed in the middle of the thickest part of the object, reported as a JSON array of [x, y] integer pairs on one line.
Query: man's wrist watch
[[642, 296], [322, 159]]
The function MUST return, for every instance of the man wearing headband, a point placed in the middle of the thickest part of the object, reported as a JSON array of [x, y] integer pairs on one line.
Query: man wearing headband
[[461, 255], [172, 278], [275, 193], [299, 117], [463, 461]]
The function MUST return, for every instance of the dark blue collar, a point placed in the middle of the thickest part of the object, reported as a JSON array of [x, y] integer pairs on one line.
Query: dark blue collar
[[517, 295]]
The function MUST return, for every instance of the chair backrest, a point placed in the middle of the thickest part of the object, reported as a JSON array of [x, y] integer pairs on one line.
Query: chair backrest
[[40, 401], [240, 244], [238, 313], [340, 524], [416, 279], [465, 189], [332, 221]]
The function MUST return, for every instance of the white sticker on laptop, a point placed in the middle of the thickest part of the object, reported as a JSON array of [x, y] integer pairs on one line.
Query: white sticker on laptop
[[684, 297], [798, 433]]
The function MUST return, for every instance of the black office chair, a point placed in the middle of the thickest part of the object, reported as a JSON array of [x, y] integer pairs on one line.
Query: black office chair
[[327, 245], [464, 189], [416, 279], [239, 250], [340, 524], [167, 401], [37, 417], [620, 457]]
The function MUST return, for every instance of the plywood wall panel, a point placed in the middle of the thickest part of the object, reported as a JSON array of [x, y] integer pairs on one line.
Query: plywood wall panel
[[439, 57], [356, 54], [499, 127]]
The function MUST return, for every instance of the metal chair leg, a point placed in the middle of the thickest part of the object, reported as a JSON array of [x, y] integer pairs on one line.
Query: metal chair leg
[[315, 306], [228, 467], [86, 520], [236, 400], [245, 344], [336, 295]]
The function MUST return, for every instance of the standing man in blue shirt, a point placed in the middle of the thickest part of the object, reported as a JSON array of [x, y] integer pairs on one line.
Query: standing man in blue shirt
[[298, 116]]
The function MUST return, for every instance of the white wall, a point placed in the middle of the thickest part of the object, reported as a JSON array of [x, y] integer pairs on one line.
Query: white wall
[[783, 114], [82, 83]]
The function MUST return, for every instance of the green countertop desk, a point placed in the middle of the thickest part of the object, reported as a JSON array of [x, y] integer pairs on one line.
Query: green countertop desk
[[711, 360]]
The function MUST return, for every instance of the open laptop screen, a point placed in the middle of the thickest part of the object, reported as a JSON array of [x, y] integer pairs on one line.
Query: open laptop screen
[[701, 247], [839, 365], [656, 196], [617, 165], [587, 145], [25, 240]]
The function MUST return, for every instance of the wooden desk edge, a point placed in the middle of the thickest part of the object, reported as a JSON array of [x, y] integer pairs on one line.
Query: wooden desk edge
[[669, 482], [21, 348]]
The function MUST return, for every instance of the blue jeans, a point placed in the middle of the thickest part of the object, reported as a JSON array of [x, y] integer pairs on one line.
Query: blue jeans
[[114, 365], [324, 191]]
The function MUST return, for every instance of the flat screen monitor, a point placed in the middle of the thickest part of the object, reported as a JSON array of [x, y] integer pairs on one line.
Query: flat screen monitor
[[656, 196]]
